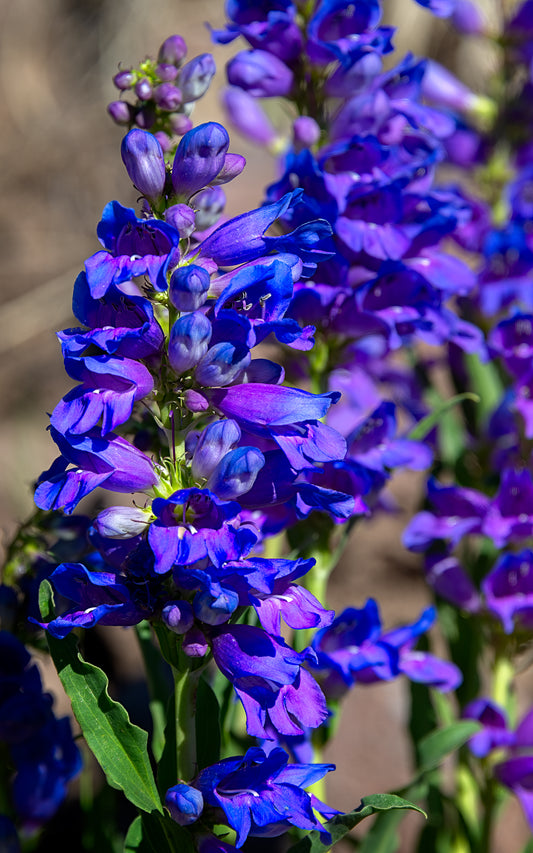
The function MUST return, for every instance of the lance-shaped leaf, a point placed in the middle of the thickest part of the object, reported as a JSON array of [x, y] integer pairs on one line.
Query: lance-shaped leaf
[[340, 825], [119, 747], [440, 743]]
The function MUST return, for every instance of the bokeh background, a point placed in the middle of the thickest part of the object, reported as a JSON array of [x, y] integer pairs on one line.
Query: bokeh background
[[60, 164]]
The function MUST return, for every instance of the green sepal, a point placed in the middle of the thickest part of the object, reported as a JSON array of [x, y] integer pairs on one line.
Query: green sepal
[[119, 747], [157, 834], [340, 825], [438, 744]]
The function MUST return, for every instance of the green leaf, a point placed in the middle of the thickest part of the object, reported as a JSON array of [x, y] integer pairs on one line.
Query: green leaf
[[340, 825], [424, 427], [440, 743], [207, 725], [119, 747], [157, 834], [46, 601]]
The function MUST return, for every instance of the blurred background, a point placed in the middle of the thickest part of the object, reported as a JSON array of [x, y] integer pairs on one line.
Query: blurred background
[[60, 166]]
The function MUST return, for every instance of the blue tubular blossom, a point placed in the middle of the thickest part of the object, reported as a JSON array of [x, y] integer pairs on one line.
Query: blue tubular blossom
[[199, 158], [261, 795], [143, 158], [188, 342], [236, 473]]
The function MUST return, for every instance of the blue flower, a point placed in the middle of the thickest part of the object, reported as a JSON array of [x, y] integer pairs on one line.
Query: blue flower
[[261, 795]]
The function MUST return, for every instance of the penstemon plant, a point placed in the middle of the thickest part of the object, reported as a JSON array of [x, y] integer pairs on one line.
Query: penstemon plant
[[395, 307]]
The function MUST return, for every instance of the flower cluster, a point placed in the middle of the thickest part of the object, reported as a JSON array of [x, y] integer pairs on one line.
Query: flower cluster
[[165, 91]]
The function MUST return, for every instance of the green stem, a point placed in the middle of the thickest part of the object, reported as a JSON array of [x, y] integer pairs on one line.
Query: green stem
[[185, 690]]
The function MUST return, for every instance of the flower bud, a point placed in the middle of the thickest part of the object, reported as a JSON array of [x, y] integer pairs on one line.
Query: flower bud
[[167, 97], [468, 18], [215, 609], [143, 89], [180, 123], [232, 168], [121, 522], [195, 401], [199, 157], [194, 643], [188, 287], [260, 73], [178, 616], [120, 111], [184, 803], [166, 73], [247, 116], [164, 140], [306, 132], [236, 473], [222, 364], [196, 76], [143, 158], [213, 444], [172, 51], [189, 339], [209, 205], [182, 218], [123, 80]]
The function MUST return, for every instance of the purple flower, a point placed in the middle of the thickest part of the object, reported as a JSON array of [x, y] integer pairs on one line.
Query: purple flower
[[508, 590], [269, 680], [354, 649]]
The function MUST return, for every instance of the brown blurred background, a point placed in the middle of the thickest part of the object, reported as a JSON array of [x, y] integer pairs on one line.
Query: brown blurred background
[[61, 164]]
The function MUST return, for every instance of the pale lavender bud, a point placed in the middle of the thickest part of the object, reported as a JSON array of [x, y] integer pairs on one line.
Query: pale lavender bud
[[196, 76], [194, 643], [247, 116], [182, 218], [167, 97], [180, 124], [143, 158], [164, 140], [259, 73], [213, 443], [166, 73], [209, 205], [184, 803], [124, 80], [306, 132], [172, 51], [121, 522], [120, 111], [232, 168], [178, 616], [143, 89]]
